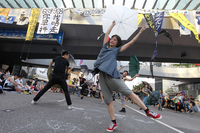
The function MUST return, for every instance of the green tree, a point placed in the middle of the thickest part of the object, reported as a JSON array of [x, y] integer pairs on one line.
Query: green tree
[[169, 90], [138, 86]]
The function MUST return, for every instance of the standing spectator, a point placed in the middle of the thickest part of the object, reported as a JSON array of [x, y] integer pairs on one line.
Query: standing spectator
[[160, 101], [186, 103], [145, 96], [177, 102], [82, 80]]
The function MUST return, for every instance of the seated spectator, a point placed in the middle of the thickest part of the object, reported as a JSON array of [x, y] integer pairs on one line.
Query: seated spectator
[[51, 89], [194, 106], [29, 83], [186, 102], [35, 85], [11, 85], [2, 80], [163, 102], [177, 102], [7, 72], [94, 87], [169, 102]]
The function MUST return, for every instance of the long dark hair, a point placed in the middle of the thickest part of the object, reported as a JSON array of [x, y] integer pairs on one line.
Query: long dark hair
[[119, 40]]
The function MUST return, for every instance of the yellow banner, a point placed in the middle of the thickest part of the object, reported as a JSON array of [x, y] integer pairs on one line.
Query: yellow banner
[[4, 11], [183, 20], [140, 16], [32, 24]]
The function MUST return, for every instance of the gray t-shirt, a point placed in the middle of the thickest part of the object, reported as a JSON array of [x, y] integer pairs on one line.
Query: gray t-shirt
[[146, 90], [107, 61]]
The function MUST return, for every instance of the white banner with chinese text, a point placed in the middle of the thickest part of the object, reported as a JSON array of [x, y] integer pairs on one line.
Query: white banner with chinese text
[[50, 20]]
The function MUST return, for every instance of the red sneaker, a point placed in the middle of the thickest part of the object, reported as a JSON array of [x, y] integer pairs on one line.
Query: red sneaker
[[153, 115], [112, 126]]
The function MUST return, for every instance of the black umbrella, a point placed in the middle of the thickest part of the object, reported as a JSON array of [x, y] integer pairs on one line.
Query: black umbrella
[[153, 98], [149, 86]]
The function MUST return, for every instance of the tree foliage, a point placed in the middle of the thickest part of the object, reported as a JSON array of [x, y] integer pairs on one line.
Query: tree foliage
[[138, 86], [169, 90]]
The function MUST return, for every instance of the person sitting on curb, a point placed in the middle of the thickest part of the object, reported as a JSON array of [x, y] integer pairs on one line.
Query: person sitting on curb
[[11, 85]]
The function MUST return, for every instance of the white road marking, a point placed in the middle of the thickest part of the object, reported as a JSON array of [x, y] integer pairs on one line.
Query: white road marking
[[177, 130]]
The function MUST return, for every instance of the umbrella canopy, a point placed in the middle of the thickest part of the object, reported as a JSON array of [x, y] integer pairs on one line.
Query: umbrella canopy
[[84, 69], [126, 21], [134, 66], [149, 86], [153, 98], [71, 60]]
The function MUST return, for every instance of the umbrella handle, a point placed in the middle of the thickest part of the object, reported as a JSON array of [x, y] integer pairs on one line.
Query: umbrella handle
[[99, 36]]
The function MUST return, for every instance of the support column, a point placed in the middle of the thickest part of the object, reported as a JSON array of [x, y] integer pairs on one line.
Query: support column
[[158, 84]]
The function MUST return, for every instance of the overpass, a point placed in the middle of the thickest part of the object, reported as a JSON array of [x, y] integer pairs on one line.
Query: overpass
[[81, 32], [189, 75]]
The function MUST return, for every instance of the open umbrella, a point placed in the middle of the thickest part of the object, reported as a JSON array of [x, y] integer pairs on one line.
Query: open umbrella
[[84, 69], [71, 60], [126, 21], [134, 66], [149, 86], [153, 98]]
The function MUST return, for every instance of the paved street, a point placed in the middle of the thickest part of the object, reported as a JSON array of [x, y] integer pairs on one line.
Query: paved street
[[89, 116]]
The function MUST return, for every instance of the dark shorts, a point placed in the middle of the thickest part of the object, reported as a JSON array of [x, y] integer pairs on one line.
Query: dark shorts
[[9, 88]]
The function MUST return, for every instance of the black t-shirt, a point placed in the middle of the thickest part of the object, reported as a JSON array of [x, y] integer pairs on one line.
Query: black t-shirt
[[82, 80], [193, 103], [29, 83], [60, 65]]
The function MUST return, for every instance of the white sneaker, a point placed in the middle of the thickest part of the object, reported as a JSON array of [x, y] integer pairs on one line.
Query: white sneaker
[[70, 107], [33, 102]]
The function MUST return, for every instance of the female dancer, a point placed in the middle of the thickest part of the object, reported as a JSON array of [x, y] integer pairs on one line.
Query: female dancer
[[110, 78]]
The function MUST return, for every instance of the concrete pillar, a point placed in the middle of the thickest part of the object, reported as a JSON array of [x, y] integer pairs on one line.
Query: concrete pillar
[[16, 69], [158, 84]]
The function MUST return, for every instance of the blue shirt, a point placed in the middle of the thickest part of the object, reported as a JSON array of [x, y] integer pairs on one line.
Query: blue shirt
[[107, 61]]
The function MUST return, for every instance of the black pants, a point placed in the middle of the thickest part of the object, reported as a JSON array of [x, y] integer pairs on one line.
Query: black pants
[[56, 79]]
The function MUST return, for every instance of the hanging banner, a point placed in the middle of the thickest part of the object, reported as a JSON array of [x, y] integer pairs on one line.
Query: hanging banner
[[50, 20], [150, 21], [159, 17], [181, 18], [183, 30], [140, 16], [23, 17], [197, 20], [32, 24], [7, 19], [4, 11]]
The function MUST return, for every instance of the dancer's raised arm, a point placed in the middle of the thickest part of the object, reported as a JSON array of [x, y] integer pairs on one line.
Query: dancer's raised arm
[[108, 32], [127, 45]]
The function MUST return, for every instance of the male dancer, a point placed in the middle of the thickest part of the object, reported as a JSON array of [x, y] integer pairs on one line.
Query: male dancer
[[60, 69], [121, 95]]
